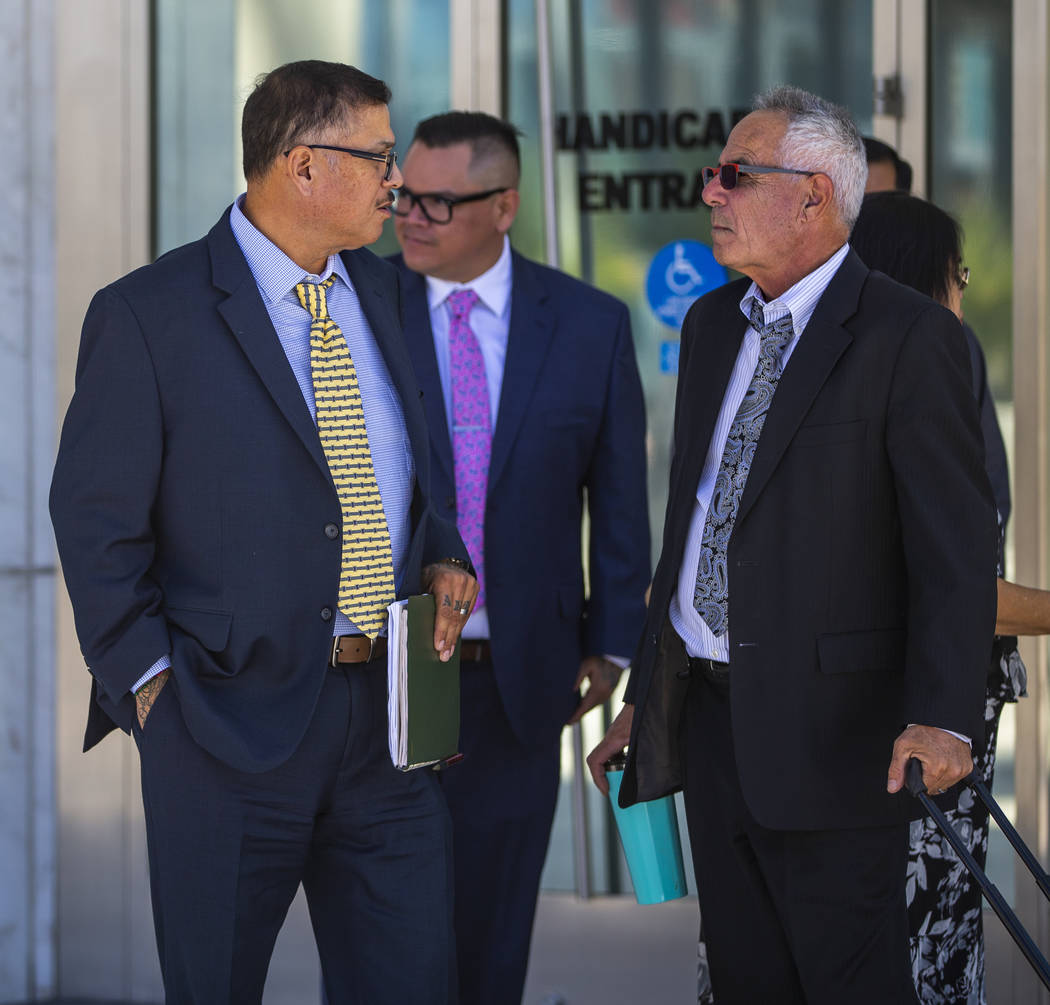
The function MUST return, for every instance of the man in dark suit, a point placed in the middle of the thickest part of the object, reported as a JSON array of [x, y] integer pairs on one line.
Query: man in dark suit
[[240, 490], [534, 404], [827, 581]]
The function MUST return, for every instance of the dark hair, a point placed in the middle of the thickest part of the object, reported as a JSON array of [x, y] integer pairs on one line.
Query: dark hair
[[878, 152], [486, 134], [297, 100], [909, 239]]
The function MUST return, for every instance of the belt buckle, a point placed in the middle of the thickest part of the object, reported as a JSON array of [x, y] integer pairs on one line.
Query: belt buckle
[[333, 660]]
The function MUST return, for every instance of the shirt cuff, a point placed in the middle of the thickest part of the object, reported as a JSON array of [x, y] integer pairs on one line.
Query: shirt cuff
[[163, 663], [623, 662]]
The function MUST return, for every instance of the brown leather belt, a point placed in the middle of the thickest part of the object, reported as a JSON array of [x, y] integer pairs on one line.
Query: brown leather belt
[[475, 651], [356, 649]]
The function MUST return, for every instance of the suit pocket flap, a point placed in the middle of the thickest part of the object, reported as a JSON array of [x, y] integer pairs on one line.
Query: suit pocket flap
[[210, 628], [566, 418], [853, 652], [826, 433]]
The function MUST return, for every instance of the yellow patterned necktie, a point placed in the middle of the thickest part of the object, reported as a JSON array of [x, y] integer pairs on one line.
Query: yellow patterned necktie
[[366, 580]]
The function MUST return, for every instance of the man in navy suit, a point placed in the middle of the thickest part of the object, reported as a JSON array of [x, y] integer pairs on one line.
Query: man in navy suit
[[826, 586], [203, 540], [534, 404]]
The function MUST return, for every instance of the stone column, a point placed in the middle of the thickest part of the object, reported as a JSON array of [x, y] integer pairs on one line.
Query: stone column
[[27, 571], [102, 227]]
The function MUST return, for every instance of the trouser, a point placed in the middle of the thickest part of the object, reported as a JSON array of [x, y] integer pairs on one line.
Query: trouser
[[228, 850], [790, 917], [502, 798]]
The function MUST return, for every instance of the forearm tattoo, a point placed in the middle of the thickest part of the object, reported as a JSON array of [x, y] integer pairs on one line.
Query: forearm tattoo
[[146, 695]]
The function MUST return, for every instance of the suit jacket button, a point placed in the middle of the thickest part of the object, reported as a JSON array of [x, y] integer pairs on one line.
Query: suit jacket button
[[331, 531], [326, 614], [653, 640]]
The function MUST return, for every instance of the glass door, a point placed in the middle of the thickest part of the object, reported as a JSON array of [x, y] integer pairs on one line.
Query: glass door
[[644, 95]]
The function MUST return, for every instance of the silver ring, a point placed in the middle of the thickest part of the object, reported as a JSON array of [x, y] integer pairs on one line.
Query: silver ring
[[940, 792], [465, 609]]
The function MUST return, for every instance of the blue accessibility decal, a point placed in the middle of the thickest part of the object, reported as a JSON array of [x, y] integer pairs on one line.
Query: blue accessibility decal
[[680, 272], [669, 349]]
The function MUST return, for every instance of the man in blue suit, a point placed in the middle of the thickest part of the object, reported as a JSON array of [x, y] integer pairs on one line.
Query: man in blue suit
[[240, 404], [534, 405]]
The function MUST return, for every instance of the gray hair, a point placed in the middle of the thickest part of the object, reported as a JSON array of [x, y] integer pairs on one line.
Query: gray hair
[[821, 136]]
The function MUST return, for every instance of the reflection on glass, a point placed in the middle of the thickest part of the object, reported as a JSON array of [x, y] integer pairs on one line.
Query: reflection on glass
[[645, 94], [201, 87], [970, 177], [970, 162]]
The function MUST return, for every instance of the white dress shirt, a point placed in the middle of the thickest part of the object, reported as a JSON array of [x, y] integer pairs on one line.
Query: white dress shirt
[[800, 301]]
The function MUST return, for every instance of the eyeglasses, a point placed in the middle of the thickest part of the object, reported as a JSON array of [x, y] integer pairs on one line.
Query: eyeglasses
[[389, 158], [729, 173], [962, 277], [438, 208]]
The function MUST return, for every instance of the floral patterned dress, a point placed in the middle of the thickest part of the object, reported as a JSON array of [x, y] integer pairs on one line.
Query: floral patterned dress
[[944, 901]]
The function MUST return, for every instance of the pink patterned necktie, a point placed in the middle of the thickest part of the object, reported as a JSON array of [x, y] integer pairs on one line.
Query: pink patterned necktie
[[471, 429]]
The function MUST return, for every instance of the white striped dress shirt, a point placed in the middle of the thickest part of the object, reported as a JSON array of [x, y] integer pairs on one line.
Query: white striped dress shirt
[[800, 301]]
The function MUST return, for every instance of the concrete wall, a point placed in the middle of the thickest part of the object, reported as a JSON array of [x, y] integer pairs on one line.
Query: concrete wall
[[27, 573], [102, 86]]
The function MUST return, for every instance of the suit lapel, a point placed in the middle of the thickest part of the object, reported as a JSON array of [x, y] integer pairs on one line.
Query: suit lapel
[[246, 315], [420, 338], [714, 346], [528, 341], [711, 360], [378, 298], [819, 348]]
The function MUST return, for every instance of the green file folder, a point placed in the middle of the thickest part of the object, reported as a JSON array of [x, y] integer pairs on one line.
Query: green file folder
[[422, 692]]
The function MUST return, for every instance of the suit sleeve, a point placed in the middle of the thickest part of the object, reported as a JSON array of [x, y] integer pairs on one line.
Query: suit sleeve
[[947, 526], [102, 494], [617, 503]]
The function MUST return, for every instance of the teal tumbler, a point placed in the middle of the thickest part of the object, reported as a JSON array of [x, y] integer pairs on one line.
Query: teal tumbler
[[651, 845]]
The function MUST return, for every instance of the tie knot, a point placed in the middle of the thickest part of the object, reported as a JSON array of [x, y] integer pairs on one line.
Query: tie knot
[[313, 297], [774, 336], [461, 302]]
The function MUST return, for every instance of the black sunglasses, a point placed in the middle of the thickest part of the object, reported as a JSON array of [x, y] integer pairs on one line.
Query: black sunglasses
[[435, 207], [389, 158], [729, 173]]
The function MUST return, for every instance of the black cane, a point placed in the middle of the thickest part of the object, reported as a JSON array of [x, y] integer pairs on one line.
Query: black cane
[[1029, 859], [916, 786]]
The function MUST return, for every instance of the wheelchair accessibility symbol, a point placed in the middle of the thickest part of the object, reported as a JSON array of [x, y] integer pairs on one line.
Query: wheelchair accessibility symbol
[[680, 272]]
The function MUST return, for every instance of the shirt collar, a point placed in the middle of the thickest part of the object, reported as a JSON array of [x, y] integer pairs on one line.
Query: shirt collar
[[801, 300], [492, 286], [275, 273]]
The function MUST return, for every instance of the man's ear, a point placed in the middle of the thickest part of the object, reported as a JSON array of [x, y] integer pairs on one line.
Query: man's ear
[[300, 167], [819, 193], [507, 204]]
